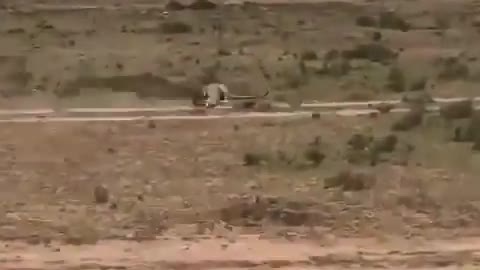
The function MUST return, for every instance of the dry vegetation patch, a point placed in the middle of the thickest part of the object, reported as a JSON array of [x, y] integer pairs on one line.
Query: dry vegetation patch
[[167, 175]]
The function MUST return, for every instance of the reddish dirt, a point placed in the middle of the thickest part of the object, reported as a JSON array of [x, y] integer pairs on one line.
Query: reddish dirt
[[246, 253], [190, 194], [187, 180]]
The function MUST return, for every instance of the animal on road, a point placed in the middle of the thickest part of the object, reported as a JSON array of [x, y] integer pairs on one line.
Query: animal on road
[[215, 94]]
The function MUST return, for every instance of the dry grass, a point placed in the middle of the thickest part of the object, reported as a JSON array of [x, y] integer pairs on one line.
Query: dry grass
[[186, 172], [273, 48], [252, 173]]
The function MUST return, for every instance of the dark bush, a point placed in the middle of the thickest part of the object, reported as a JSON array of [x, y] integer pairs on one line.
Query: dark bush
[[390, 20], [396, 80], [373, 51], [366, 21], [175, 28], [253, 159], [202, 5], [359, 141], [314, 155], [453, 69], [457, 110], [386, 144], [419, 84], [308, 55], [174, 5], [408, 121]]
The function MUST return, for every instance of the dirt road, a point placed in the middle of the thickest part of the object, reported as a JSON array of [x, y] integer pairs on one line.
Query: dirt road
[[245, 253], [185, 112]]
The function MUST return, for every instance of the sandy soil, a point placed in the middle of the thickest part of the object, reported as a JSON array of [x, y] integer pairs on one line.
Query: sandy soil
[[246, 253], [231, 193], [195, 180]]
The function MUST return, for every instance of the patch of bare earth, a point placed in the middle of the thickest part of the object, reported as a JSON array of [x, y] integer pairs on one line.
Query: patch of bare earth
[[237, 193], [246, 253]]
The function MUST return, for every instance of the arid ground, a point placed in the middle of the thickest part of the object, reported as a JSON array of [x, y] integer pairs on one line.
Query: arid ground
[[384, 190], [323, 50]]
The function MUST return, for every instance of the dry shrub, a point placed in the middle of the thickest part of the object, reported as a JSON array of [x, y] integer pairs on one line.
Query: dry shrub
[[419, 84], [101, 194], [386, 144], [473, 128], [308, 55], [359, 141], [16, 31], [408, 121], [314, 156], [391, 20], [457, 110], [202, 5], [377, 36], [43, 24], [244, 105], [175, 28], [316, 115], [350, 180], [374, 52], [453, 68], [366, 21], [396, 80], [198, 99], [174, 5], [476, 144], [254, 159], [476, 22]]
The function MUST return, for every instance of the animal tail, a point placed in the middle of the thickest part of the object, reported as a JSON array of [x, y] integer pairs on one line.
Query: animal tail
[[248, 97]]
